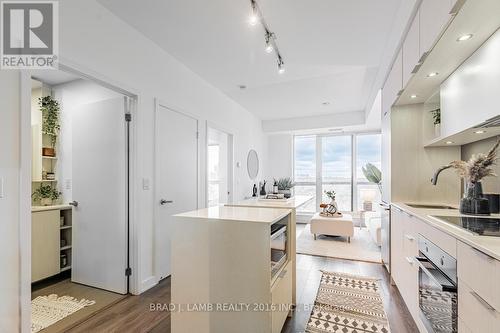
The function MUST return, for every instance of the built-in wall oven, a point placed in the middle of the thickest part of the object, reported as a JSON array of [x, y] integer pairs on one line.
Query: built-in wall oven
[[279, 245], [438, 294]]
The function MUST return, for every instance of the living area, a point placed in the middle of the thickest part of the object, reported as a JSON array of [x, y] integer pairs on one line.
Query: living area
[[341, 174]]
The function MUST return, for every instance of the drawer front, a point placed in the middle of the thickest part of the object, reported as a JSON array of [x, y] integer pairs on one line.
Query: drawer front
[[474, 313], [480, 272], [446, 242], [281, 296], [410, 235]]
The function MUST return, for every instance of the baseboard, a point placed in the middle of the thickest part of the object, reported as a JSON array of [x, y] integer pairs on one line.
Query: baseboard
[[148, 283]]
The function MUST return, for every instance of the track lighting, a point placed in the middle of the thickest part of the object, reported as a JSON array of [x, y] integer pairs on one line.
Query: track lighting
[[270, 37], [269, 43], [254, 17], [281, 66]]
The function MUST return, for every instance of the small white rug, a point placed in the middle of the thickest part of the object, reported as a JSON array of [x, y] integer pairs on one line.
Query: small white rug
[[47, 310], [360, 248]]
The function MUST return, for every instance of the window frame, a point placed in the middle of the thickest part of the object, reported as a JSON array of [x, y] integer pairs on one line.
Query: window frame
[[319, 165]]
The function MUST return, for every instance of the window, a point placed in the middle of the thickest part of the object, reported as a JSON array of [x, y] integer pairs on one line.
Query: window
[[337, 166], [305, 169]]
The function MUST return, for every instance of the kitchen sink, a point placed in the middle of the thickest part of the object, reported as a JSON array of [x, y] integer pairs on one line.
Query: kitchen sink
[[430, 206]]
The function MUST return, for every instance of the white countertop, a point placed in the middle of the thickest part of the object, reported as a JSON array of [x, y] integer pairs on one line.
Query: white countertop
[[53, 207], [487, 244], [242, 214], [292, 203]]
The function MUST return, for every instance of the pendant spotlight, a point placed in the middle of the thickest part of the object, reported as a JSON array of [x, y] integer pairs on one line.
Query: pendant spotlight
[[270, 38]]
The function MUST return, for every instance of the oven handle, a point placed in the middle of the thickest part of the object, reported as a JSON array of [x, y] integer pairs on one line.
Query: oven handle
[[424, 269]]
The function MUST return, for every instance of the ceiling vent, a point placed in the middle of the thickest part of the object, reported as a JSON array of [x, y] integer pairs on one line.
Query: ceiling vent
[[493, 122]]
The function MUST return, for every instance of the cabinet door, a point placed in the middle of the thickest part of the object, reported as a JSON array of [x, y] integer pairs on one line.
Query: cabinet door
[[45, 247], [434, 16], [394, 82], [397, 255], [411, 49]]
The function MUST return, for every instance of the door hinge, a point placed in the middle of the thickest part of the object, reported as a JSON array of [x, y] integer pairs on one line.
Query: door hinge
[[128, 271], [128, 117]]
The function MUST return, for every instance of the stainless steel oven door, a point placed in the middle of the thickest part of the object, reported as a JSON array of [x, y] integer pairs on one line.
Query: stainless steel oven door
[[437, 298]]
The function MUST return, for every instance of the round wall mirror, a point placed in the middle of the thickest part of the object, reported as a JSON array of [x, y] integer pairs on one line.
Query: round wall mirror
[[253, 164]]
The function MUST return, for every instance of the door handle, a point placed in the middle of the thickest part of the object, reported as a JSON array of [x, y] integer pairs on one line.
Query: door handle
[[164, 202], [74, 203]]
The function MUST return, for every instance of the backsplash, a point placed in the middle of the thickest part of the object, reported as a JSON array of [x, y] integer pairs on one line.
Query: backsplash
[[490, 184]]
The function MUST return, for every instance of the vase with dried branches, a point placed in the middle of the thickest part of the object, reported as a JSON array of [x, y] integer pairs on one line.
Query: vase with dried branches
[[473, 171]]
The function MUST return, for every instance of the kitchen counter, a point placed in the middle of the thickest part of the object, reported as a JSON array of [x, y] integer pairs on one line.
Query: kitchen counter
[[47, 208], [486, 244], [293, 203], [241, 214]]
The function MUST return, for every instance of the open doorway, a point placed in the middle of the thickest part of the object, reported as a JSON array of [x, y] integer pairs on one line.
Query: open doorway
[[219, 167], [80, 199]]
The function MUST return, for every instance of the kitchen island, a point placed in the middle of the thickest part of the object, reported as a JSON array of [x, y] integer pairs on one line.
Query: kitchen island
[[293, 204], [224, 277]]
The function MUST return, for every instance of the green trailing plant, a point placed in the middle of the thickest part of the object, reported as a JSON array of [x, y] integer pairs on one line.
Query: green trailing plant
[[373, 175], [50, 117], [284, 183], [436, 116], [45, 192], [331, 194]]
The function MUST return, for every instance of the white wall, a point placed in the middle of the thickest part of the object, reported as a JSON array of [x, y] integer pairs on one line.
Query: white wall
[[92, 38], [280, 157], [9, 203]]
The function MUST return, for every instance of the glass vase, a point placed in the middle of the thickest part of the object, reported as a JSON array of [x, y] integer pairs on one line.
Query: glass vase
[[474, 202]]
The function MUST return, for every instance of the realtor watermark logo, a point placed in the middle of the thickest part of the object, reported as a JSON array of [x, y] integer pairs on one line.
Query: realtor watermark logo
[[29, 33]]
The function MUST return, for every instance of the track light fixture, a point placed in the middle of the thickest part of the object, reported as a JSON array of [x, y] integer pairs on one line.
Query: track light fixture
[[270, 38]]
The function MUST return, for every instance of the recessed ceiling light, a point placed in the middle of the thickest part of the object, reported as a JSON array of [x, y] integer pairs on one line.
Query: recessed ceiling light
[[413, 96], [449, 142], [431, 74], [464, 38], [242, 86], [480, 132]]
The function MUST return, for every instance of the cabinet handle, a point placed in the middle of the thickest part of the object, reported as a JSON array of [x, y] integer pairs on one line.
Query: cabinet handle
[[410, 260], [483, 301], [410, 238]]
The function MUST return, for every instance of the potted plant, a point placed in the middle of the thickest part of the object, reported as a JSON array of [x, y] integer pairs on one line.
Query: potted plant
[[45, 194], [50, 122], [373, 175], [436, 117], [285, 186], [473, 171]]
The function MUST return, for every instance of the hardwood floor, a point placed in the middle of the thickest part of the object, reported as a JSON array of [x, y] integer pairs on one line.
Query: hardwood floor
[[133, 315]]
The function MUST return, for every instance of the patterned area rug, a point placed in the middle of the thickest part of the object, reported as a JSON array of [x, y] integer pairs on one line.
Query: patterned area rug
[[347, 304], [47, 310]]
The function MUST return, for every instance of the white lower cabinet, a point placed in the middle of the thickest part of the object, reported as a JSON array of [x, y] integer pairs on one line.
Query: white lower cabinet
[[45, 246], [281, 295], [475, 313]]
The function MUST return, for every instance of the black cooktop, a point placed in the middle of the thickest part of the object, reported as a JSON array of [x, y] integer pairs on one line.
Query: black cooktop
[[483, 226]]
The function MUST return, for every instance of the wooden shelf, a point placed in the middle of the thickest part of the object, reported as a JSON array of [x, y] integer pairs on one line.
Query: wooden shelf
[[67, 247], [49, 157], [44, 181], [66, 227], [65, 268]]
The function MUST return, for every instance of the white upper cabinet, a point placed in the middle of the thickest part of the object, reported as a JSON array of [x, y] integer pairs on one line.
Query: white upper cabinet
[[470, 95], [411, 49], [393, 84], [434, 15]]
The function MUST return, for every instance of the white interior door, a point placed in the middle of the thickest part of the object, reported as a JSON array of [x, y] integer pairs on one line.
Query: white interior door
[[176, 177], [219, 167], [100, 189]]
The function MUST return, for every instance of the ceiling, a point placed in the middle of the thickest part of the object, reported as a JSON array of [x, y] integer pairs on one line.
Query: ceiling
[[332, 49]]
